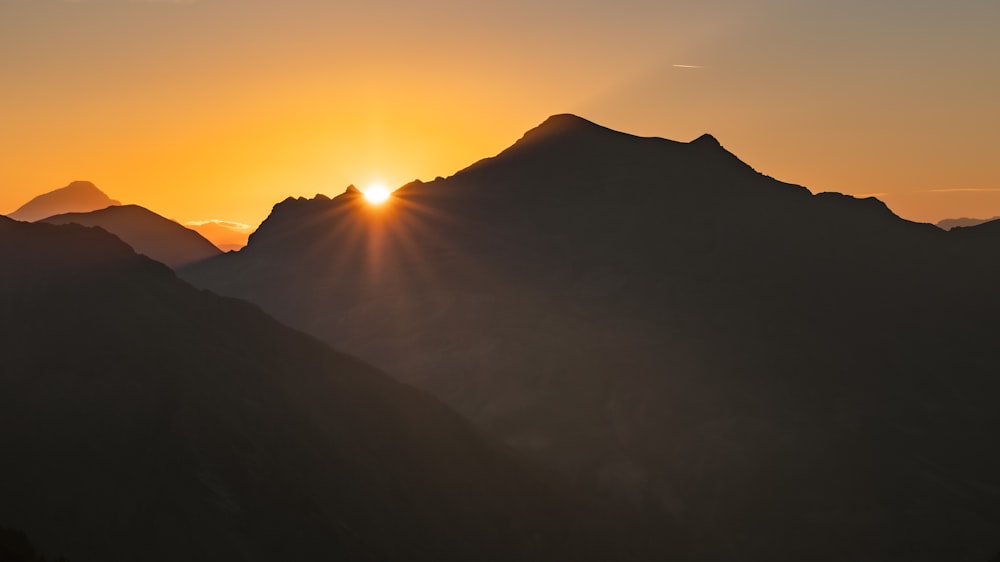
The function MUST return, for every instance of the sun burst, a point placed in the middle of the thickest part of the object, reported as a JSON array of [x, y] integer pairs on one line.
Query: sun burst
[[376, 194]]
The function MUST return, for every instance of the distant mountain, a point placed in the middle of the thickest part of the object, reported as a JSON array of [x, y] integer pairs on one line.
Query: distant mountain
[[226, 236], [147, 232], [948, 224], [790, 376], [146, 420], [77, 197]]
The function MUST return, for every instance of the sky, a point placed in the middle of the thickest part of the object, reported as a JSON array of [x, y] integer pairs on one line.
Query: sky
[[218, 109]]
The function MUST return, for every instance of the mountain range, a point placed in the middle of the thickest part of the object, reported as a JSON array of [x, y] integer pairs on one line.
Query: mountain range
[[147, 420], [787, 376], [140, 225]]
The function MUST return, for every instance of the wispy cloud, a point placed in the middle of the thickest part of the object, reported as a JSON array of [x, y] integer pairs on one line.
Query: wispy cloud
[[878, 194], [963, 190], [687, 66], [130, 1], [228, 224]]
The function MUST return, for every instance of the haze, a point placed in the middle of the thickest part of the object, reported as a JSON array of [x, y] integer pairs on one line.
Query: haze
[[217, 109]]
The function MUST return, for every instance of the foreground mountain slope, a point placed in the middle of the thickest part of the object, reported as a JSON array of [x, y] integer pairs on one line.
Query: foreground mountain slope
[[147, 420], [147, 232], [790, 376], [77, 197]]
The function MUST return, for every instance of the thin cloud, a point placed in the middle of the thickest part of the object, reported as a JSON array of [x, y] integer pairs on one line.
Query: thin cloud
[[228, 224], [686, 66], [964, 190], [130, 1], [878, 194]]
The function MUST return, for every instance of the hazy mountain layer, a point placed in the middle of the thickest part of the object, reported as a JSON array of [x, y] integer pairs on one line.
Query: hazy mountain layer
[[146, 420], [791, 376], [77, 197], [949, 224], [147, 232], [225, 237]]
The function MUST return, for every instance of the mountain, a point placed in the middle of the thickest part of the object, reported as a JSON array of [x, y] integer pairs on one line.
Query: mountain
[[147, 232], [147, 420], [77, 197], [790, 376], [948, 224]]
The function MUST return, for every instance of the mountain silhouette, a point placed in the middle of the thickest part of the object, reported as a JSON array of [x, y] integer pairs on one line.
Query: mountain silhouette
[[147, 232], [788, 375], [77, 197], [147, 420]]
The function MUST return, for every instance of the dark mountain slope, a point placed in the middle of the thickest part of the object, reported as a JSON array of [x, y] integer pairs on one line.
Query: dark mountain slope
[[147, 420], [147, 232], [790, 376], [15, 547], [77, 197]]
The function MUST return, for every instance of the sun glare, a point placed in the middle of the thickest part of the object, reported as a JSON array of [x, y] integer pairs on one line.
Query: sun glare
[[376, 194]]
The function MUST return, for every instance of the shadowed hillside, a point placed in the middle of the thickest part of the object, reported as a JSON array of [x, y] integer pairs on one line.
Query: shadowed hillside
[[15, 547], [147, 420], [791, 376]]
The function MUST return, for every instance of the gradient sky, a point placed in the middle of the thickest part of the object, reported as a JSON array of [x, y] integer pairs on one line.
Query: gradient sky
[[217, 109]]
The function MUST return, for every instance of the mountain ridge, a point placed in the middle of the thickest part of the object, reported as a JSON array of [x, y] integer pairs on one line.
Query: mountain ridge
[[563, 137]]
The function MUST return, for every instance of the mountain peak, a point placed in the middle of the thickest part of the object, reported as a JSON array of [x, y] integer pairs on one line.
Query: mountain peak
[[565, 124], [706, 140], [81, 185], [568, 121], [79, 196], [562, 132]]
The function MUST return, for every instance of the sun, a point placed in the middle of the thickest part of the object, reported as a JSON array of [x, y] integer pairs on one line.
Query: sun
[[376, 193]]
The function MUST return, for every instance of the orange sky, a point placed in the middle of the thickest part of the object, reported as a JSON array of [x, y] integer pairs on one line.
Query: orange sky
[[217, 109]]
